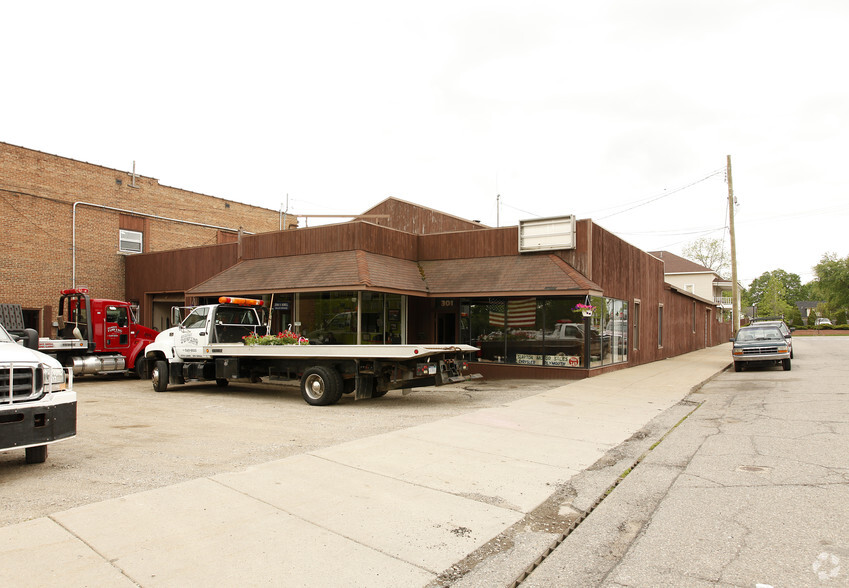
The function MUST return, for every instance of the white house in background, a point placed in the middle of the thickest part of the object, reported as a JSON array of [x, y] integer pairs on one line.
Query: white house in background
[[697, 279]]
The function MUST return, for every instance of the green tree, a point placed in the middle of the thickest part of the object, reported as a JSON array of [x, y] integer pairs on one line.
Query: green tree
[[809, 291], [711, 253], [745, 297], [795, 317], [833, 277], [773, 301], [792, 284]]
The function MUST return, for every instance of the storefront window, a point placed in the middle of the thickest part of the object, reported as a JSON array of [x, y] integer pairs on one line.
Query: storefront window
[[617, 327], [280, 307], [331, 318], [564, 333], [599, 345], [381, 318], [546, 331], [525, 331], [485, 329]]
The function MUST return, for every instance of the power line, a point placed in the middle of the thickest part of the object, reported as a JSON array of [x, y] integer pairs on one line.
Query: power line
[[665, 194], [520, 210], [674, 233], [634, 203]]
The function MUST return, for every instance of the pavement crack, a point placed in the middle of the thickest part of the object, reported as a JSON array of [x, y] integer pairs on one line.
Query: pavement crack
[[111, 562]]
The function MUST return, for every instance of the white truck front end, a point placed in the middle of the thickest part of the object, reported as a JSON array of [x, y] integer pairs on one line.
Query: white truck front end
[[37, 403]]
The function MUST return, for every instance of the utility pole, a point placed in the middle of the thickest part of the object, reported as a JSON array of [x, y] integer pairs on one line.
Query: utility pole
[[735, 289], [284, 213]]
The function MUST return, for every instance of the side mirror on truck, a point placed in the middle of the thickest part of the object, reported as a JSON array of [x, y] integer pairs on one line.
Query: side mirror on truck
[[176, 317], [28, 338]]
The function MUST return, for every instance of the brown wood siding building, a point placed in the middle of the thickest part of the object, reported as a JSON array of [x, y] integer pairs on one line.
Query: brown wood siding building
[[418, 220], [454, 266]]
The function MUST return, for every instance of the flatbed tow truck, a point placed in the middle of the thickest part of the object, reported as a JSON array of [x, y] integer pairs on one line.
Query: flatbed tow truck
[[209, 345]]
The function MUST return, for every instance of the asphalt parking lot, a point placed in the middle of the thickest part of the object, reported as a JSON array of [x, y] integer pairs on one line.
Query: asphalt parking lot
[[130, 438]]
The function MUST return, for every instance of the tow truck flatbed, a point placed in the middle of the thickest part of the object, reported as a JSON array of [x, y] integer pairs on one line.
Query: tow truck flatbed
[[385, 352], [210, 345]]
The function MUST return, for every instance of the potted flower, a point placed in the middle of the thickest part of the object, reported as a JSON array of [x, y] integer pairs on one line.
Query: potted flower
[[585, 309], [284, 338]]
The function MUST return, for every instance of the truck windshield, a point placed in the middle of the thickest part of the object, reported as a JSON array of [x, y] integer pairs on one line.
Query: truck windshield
[[759, 334], [197, 318], [236, 316]]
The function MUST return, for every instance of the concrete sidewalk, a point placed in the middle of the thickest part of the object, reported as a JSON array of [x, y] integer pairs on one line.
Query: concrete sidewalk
[[424, 505]]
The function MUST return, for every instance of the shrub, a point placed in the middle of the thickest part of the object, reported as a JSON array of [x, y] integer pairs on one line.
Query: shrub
[[812, 318]]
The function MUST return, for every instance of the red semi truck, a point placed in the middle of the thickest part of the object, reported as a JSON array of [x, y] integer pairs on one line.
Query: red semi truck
[[97, 336]]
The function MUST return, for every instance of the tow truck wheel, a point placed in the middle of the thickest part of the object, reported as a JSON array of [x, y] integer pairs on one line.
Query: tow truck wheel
[[37, 454], [321, 386], [138, 371], [159, 376]]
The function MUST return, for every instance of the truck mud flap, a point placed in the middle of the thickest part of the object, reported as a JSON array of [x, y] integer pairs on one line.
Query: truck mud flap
[[365, 387]]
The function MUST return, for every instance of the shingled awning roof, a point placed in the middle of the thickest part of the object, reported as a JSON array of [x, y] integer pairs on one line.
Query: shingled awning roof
[[507, 276], [340, 270], [360, 270]]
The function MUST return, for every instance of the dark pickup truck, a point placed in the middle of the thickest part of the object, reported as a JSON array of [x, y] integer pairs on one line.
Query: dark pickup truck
[[760, 345]]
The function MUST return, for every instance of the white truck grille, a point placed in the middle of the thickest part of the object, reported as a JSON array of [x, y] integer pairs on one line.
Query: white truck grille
[[20, 382]]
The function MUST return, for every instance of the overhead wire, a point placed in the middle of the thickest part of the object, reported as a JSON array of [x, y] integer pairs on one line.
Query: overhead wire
[[634, 204], [520, 210], [665, 194]]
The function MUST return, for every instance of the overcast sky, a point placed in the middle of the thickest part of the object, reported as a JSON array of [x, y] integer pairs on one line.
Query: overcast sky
[[620, 111]]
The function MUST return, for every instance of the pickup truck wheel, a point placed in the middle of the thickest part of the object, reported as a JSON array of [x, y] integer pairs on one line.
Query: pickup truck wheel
[[222, 382], [159, 376], [786, 365], [321, 386], [738, 367], [37, 454]]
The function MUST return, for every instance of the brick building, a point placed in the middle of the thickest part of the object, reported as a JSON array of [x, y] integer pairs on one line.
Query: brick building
[[70, 223]]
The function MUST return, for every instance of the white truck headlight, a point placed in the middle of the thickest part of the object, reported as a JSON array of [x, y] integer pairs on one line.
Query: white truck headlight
[[54, 377]]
